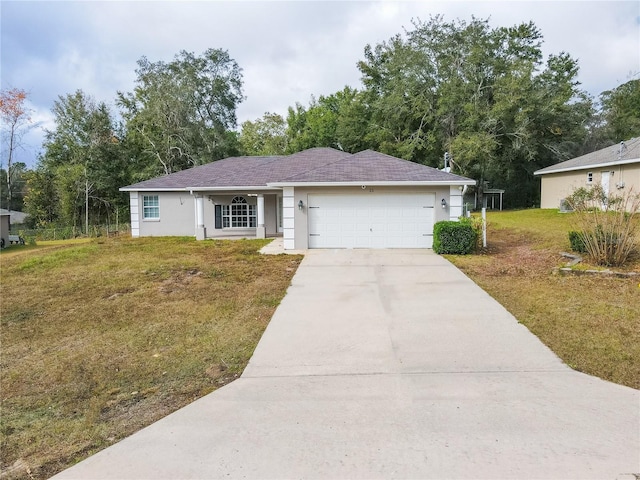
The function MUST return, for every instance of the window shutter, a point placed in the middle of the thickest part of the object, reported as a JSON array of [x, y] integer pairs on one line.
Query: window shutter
[[218, 216]]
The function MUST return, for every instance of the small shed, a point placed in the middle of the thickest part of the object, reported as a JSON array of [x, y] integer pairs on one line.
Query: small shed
[[493, 196]]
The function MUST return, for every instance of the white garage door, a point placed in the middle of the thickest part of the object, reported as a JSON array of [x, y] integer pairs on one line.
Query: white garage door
[[371, 220]]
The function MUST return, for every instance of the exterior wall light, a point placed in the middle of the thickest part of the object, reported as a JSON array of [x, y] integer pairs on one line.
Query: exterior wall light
[[300, 205], [443, 203]]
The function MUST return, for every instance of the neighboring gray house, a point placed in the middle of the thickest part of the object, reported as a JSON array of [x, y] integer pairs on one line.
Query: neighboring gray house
[[16, 217], [615, 168], [4, 228], [317, 198]]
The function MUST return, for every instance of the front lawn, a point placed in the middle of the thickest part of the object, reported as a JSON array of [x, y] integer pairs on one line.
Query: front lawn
[[592, 322], [102, 338]]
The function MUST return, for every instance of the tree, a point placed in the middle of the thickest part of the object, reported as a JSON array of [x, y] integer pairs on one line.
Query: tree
[[621, 110], [336, 121], [18, 171], [15, 119], [41, 197], [180, 113], [83, 156], [485, 95], [265, 136]]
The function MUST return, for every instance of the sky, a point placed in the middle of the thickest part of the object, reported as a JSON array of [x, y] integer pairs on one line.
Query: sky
[[288, 50]]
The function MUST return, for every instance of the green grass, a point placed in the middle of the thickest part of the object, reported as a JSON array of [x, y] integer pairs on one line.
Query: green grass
[[102, 338], [590, 321]]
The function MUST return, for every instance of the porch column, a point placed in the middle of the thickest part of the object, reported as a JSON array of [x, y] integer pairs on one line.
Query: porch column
[[201, 232], [261, 231]]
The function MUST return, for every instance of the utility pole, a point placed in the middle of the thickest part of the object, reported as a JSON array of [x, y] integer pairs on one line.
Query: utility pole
[[86, 202]]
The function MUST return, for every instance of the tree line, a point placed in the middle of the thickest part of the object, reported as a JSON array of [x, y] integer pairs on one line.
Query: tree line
[[486, 96]]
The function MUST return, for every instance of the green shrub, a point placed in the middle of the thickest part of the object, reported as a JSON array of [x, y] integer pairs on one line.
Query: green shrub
[[454, 238], [476, 223], [577, 242]]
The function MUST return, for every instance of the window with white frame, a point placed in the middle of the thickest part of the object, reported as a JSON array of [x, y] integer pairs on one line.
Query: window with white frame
[[150, 207], [590, 177], [239, 214]]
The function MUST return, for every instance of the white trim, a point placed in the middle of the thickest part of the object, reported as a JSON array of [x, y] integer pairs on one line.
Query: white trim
[[288, 218], [242, 188], [279, 208], [135, 214], [374, 184], [144, 217], [260, 212], [588, 167], [227, 213], [127, 189], [455, 203]]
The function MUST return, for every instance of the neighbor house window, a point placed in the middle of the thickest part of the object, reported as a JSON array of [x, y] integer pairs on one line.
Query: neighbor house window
[[150, 207], [590, 177], [239, 214]]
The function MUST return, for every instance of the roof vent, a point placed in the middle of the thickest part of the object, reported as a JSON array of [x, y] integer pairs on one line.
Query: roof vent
[[621, 150]]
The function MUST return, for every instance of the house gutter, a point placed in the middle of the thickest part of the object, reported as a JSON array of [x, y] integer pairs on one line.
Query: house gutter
[[587, 167], [374, 183], [197, 189]]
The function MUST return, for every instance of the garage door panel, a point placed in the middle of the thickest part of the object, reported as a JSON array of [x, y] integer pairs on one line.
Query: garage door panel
[[371, 221]]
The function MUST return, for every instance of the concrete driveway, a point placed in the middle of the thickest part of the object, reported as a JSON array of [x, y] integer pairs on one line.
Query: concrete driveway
[[391, 364]]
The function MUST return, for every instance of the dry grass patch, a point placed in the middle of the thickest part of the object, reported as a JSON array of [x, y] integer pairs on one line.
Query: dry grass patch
[[590, 322], [102, 338]]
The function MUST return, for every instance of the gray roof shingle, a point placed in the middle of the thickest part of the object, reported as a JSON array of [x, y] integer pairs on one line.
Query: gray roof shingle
[[370, 166], [316, 165], [624, 152]]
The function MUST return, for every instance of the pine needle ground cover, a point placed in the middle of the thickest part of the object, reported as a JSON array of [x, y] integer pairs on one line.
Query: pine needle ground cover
[[102, 338], [591, 321]]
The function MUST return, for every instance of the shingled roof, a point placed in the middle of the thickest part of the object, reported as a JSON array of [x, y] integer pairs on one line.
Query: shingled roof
[[316, 165], [621, 153]]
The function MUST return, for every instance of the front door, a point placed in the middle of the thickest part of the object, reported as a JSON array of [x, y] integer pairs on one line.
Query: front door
[[604, 181]]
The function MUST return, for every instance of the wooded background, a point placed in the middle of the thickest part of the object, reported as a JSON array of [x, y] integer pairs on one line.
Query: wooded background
[[486, 96]]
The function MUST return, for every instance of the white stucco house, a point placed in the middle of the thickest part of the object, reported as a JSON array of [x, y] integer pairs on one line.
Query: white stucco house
[[616, 168], [317, 198]]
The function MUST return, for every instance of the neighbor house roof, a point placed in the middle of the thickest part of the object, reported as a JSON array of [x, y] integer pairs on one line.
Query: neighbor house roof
[[314, 166], [619, 154], [16, 217]]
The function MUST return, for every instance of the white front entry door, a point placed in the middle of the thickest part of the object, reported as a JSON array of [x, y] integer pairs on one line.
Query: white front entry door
[[371, 220], [605, 181]]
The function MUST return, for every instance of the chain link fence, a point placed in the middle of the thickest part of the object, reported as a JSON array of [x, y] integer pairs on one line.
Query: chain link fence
[[65, 233]]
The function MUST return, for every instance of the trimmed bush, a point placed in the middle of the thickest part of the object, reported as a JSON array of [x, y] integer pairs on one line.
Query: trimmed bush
[[476, 223], [577, 242], [454, 238]]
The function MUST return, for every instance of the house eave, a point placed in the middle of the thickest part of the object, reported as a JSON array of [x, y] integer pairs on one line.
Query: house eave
[[588, 167], [200, 189], [138, 189], [374, 183], [233, 189]]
